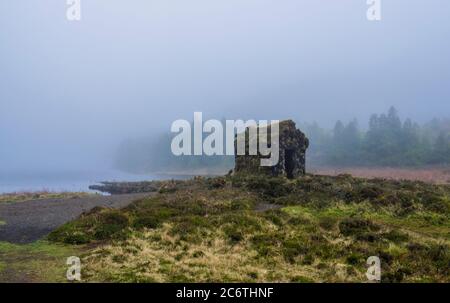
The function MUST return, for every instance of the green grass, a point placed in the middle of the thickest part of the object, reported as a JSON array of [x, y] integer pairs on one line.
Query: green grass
[[325, 229], [37, 262], [2, 222], [210, 230]]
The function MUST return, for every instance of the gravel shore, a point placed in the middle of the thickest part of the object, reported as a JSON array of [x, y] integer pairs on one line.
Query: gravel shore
[[29, 221]]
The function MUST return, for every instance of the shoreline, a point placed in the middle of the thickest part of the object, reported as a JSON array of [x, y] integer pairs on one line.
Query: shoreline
[[429, 174]]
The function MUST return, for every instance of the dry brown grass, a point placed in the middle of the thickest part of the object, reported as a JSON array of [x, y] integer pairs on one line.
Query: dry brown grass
[[40, 195], [436, 175], [141, 259], [323, 230]]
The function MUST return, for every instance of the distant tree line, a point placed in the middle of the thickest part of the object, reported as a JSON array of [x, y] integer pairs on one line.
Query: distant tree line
[[388, 141], [153, 154]]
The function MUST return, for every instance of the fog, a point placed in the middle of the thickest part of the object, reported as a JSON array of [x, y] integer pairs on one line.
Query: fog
[[70, 92]]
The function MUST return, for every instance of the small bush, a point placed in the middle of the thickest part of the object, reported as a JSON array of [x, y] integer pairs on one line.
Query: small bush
[[327, 223], [247, 222], [396, 236], [356, 226], [198, 254], [242, 204], [367, 237], [114, 217], [293, 248], [370, 192], [72, 237], [190, 226], [215, 183], [234, 234], [277, 217], [98, 224], [435, 202], [107, 231], [268, 186], [354, 259], [265, 243], [153, 217], [395, 276], [308, 259]]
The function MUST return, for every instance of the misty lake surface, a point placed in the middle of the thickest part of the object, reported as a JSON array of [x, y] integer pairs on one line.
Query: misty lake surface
[[66, 181]]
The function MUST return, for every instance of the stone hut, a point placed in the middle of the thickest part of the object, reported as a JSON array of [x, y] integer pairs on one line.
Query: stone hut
[[292, 148]]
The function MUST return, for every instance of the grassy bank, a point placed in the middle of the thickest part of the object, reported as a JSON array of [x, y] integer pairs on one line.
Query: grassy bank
[[41, 195], [323, 229], [37, 262]]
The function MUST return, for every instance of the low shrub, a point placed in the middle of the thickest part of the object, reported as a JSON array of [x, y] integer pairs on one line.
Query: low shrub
[[356, 226], [396, 236]]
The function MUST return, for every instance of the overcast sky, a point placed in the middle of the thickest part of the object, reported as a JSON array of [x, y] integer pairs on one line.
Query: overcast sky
[[70, 91]]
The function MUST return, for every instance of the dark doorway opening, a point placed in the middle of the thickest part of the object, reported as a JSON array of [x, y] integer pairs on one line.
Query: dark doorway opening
[[289, 163]]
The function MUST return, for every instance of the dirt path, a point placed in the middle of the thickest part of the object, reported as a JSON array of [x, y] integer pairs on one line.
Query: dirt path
[[29, 221]]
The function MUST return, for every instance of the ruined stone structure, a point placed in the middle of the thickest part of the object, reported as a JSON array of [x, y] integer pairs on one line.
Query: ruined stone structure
[[293, 144]]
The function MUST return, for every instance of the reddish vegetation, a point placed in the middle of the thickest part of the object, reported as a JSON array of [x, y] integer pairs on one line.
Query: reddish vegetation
[[438, 175]]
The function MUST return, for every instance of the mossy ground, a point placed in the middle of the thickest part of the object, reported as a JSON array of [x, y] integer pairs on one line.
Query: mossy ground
[[324, 229], [37, 262]]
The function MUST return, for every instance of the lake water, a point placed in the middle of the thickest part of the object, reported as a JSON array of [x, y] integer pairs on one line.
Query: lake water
[[68, 181]]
